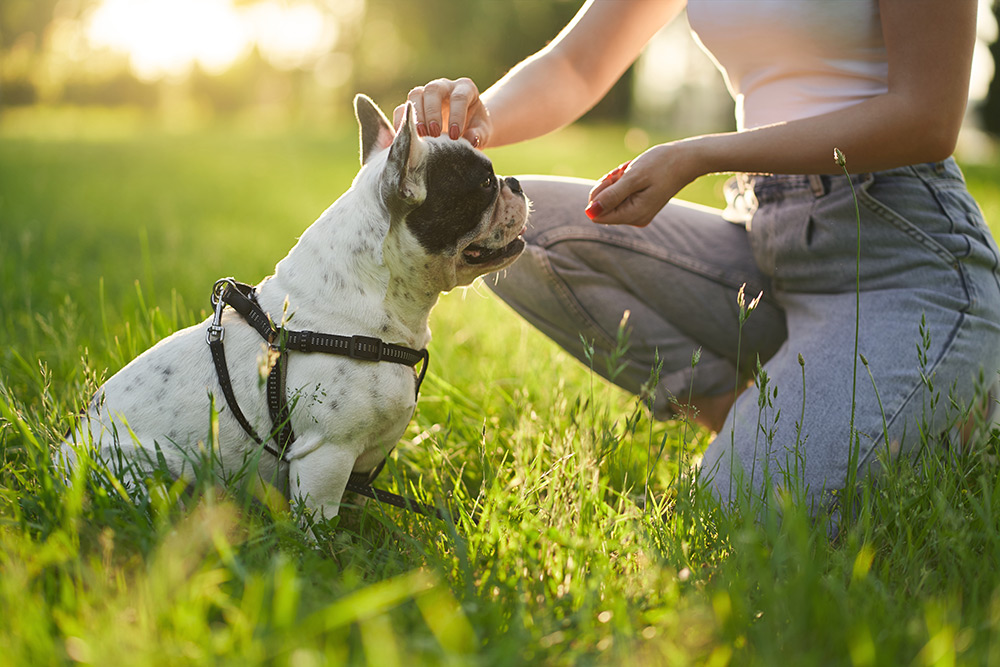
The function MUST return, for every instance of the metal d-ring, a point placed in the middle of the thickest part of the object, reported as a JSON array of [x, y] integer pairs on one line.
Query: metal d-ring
[[219, 289]]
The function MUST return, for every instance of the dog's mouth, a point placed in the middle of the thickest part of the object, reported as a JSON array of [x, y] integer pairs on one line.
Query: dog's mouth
[[480, 254]]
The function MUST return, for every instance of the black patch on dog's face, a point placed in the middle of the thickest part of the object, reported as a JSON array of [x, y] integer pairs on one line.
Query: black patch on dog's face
[[461, 187]]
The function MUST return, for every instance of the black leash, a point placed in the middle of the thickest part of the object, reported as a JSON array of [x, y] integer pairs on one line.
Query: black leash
[[242, 298]]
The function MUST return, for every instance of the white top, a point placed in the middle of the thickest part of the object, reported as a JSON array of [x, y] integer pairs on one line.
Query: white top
[[790, 59]]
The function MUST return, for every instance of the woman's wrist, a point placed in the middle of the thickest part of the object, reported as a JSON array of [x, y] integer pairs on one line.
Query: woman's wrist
[[698, 156]]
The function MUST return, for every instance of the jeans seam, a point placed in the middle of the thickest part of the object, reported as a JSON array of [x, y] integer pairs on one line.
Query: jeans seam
[[570, 300], [911, 395], [731, 279]]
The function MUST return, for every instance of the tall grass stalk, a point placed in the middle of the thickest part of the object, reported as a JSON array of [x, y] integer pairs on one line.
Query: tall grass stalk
[[745, 310], [841, 160], [854, 437]]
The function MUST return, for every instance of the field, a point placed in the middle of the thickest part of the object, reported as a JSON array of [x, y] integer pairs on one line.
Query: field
[[591, 546]]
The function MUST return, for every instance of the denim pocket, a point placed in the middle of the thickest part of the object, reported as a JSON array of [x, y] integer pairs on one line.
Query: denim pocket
[[924, 223]]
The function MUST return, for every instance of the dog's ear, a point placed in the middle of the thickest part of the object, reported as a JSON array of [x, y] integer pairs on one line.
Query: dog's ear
[[376, 130], [404, 177]]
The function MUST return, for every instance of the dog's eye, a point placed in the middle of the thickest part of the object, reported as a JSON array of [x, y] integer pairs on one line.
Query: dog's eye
[[488, 183]]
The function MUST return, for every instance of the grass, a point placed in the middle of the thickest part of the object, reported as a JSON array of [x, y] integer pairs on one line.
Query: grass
[[111, 235]]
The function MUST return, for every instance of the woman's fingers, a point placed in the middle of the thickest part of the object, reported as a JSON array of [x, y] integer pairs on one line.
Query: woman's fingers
[[430, 101], [464, 97], [610, 200], [609, 179], [447, 106]]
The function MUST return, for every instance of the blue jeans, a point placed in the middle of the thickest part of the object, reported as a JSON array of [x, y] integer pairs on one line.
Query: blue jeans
[[929, 314]]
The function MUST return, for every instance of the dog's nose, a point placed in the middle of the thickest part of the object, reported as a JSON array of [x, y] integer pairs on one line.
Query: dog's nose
[[514, 186]]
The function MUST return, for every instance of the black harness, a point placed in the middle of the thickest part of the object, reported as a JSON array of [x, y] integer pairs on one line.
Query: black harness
[[242, 298]]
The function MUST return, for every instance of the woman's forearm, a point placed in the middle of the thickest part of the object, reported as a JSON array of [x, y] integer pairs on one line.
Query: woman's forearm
[[527, 103], [880, 133]]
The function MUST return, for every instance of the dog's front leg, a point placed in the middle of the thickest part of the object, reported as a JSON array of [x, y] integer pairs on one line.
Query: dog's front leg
[[320, 477]]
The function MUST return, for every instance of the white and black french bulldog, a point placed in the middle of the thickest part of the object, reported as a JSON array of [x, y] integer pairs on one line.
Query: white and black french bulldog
[[423, 216]]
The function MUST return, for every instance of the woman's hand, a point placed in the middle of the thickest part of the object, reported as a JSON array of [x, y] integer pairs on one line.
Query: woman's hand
[[449, 104], [636, 191]]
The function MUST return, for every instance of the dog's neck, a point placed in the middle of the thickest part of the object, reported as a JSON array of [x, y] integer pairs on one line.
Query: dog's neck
[[337, 276]]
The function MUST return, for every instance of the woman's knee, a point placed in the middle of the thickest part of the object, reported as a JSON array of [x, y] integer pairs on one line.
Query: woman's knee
[[556, 203]]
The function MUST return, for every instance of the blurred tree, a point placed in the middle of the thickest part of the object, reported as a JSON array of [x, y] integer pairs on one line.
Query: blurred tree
[[25, 20], [119, 89], [990, 109], [23, 26], [234, 89], [404, 44]]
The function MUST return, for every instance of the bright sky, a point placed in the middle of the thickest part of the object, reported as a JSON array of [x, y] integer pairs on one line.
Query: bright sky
[[166, 37]]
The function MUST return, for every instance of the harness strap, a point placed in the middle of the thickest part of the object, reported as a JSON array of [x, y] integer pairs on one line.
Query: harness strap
[[243, 300], [361, 483], [222, 370], [364, 348]]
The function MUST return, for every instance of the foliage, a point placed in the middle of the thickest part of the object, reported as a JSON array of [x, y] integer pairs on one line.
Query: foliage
[[386, 48], [27, 20], [592, 545], [421, 41]]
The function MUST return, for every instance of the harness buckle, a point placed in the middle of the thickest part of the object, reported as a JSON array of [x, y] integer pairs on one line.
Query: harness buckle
[[366, 348], [215, 333]]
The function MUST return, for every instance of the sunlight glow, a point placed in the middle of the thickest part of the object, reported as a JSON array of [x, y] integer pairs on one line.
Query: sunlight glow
[[165, 38]]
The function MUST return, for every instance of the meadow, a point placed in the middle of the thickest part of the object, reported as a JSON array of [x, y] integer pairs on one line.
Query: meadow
[[579, 536]]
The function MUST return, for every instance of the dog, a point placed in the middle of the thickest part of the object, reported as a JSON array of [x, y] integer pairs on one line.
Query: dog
[[422, 216]]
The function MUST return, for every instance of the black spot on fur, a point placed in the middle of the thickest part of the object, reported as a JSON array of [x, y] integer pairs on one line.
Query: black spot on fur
[[461, 187]]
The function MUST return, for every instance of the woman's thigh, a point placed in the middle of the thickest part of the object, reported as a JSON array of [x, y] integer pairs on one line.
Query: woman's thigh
[[678, 280]]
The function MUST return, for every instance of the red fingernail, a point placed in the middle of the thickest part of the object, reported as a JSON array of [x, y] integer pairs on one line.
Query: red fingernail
[[454, 131], [435, 128], [421, 130], [594, 210]]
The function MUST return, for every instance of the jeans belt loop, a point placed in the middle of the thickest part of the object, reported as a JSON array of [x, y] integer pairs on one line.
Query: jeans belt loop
[[816, 184], [743, 180]]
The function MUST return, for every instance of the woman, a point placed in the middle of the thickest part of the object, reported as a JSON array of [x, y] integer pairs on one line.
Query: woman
[[884, 81]]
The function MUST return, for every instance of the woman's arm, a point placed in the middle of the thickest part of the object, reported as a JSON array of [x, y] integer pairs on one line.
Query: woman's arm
[[552, 88], [929, 45]]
